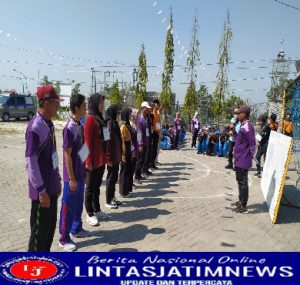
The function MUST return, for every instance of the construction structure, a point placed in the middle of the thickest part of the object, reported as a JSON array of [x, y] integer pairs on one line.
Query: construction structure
[[279, 76]]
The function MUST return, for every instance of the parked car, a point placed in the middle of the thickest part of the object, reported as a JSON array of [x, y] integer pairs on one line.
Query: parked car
[[16, 106]]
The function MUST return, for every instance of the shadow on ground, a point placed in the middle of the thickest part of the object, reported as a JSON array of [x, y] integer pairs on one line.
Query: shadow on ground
[[146, 202], [289, 210], [117, 236]]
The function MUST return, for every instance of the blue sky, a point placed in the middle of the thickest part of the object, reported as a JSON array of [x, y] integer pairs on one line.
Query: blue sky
[[112, 31]]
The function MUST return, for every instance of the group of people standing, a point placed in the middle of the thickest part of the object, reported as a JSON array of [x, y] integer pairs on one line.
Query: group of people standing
[[128, 150], [244, 146]]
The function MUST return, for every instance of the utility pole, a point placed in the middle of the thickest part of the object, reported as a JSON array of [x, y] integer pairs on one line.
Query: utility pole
[[94, 83]]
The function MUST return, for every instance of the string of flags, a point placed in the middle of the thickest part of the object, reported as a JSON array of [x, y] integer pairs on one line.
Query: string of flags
[[58, 56]]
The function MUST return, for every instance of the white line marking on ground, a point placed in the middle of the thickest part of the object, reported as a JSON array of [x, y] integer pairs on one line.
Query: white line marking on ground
[[201, 197], [207, 171]]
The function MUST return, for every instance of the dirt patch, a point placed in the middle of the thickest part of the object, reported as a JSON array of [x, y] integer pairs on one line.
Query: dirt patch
[[4, 132]]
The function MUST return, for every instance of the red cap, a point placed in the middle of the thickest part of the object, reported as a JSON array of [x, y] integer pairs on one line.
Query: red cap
[[47, 91]]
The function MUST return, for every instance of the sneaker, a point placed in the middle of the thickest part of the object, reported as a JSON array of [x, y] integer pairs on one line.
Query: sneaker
[[93, 221], [82, 234], [240, 210], [154, 167], [257, 174], [117, 202], [229, 166], [158, 163], [102, 216], [235, 204], [137, 181], [111, 205], [68, 246], [127, 196], [149, 173]]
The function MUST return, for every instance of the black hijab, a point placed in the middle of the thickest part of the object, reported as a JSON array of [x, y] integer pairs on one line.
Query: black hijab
[[125, 113], [111, 115], [93, 104], [112, 112]]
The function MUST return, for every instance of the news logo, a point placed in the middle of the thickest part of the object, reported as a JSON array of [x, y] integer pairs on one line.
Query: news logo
[[33, 270]]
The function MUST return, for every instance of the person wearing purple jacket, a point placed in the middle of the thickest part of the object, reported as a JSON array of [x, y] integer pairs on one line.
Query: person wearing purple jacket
[[42, 169], [143, 134], [244, 152], [134, 146], [74, 155], [177, 129], [195, 128]]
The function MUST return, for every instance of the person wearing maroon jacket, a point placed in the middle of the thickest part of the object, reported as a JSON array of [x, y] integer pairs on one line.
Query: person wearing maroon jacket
[[96, 137], [114, 152]]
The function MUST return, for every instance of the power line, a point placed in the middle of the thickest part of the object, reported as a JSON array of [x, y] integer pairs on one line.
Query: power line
[[287, 5]]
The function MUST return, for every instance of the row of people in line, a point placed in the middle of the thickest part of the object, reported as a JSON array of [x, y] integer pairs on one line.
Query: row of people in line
[[128, 150]]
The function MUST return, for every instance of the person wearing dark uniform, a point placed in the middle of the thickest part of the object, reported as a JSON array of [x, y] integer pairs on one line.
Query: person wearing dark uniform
[[263, 140]]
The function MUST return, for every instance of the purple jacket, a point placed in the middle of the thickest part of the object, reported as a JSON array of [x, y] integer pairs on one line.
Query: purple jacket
[[40, 147], [142, 138], [245, 146], [195, 125], [177, 125], [134, 139], [73, 137]]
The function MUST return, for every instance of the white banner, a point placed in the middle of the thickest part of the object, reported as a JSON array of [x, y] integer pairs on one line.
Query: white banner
[[274, 171]]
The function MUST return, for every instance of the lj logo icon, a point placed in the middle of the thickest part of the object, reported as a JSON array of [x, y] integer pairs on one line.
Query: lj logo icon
[[37, 270]]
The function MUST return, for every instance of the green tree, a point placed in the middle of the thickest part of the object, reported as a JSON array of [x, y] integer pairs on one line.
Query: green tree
[[190, 100], [167, 75], [222, 75], [57, 87], [141, 93], [45, 80], [114, 95], [230, 104], [204, 106], [76, 89], [275, 94]]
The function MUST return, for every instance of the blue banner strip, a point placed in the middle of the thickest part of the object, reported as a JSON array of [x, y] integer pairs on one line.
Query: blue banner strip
[[153, 268]]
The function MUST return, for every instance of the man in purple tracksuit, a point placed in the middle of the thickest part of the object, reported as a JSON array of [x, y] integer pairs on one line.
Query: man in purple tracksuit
[[74, 155], [43, 173], [143, 134], [177, 129], [195, 128], [244, 152]]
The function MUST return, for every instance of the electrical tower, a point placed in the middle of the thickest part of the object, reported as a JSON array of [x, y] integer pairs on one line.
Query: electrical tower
[[280, 72], [279, 75]]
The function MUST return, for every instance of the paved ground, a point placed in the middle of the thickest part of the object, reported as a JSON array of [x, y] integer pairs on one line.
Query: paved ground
[[184, 207]]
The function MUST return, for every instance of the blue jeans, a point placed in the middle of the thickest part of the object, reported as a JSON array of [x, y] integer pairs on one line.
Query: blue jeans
[[71, 211]]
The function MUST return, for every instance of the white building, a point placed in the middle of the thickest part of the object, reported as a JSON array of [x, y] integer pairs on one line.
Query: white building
[[65, 93]]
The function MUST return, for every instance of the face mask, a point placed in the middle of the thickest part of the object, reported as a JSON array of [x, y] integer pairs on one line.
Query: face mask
[[236, 116]]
